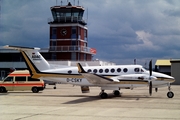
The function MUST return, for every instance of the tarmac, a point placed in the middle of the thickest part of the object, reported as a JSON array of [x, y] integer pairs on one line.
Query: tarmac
[[68, 103]]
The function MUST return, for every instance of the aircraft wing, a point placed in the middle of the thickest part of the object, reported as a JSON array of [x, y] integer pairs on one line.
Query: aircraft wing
[[98, 79], [94, 78]]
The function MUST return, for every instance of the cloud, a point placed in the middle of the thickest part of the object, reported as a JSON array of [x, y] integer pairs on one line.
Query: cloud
[[120, 30]]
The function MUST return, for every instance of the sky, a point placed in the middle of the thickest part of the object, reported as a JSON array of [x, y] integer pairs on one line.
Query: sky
[[120, 30]]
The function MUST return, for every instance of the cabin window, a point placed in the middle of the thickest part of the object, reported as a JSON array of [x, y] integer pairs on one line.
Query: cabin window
[[119, 70], [106, 70], [69, 71], [112, 70], [100, 70], [125, 69], [136, 69], [21, 79], [89, 70], [95, 70]]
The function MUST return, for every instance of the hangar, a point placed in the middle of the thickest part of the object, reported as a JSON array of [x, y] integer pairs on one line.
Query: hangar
[[169, 67], [175, 70]]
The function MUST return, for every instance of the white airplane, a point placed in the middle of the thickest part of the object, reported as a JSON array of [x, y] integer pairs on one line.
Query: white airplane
[[114, 77]]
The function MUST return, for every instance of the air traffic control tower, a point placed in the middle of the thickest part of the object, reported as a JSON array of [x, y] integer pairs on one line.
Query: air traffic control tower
[[69, 34]]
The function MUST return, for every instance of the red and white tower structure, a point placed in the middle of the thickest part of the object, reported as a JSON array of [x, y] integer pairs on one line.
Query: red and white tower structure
[[69, 34]]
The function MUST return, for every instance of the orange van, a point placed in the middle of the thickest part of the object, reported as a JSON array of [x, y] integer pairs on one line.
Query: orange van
[[20, 80]]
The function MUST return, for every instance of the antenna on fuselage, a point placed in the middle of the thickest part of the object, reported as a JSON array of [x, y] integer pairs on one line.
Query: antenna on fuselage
[[134, 61]]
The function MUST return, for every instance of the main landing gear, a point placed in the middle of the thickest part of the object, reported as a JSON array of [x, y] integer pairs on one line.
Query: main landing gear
[[170, 94], [104, 95]]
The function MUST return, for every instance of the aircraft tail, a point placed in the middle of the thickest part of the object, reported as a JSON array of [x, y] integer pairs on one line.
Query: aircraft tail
[[33, 55]]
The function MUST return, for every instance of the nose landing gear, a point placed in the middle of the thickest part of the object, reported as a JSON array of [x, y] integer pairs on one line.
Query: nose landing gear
[[170, 94]]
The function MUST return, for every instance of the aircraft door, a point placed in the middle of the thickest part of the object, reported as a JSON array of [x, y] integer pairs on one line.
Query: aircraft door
[[9, 83]]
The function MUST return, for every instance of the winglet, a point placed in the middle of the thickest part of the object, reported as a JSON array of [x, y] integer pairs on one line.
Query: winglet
[[80, 68]]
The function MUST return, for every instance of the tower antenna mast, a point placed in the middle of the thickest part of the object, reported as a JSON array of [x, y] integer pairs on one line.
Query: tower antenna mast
[[0, 10]]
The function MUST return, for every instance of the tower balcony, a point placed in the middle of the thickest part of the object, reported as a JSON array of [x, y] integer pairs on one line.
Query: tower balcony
[[82, 49]]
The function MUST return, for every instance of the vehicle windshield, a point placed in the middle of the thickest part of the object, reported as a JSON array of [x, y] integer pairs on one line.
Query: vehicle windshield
[[8, 79]]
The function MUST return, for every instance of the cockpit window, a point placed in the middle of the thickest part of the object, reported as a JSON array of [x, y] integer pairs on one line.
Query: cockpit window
[[136, 69], [143, 69]]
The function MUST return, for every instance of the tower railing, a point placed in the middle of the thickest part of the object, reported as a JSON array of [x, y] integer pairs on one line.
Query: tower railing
[[71, 49]]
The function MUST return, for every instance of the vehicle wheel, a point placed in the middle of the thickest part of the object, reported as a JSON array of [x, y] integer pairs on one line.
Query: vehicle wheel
[[54, 87], [116, 93], [2, 89], [44, 86], [104, 95], [35, 90], [170, 94]]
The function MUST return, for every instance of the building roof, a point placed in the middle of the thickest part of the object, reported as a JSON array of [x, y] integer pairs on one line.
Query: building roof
[[175, 61], [163, 62]]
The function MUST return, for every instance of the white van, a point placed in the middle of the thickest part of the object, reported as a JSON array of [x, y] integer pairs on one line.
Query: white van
[[20, 80]]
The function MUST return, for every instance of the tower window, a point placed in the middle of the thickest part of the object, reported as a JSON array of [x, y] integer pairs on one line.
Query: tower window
[[54, 33], [85, 35], [73, 33]]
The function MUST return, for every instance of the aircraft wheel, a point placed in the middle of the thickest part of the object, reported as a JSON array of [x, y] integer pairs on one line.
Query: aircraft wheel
[[170, 94], [54, 87], [103, 95], [156, 89], [116, 93]]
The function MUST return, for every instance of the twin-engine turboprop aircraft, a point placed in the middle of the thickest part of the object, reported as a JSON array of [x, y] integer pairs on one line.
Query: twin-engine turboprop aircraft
[[114, 77]]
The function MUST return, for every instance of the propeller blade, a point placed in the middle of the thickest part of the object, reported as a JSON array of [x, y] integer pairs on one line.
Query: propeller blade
[[150, 68], [150, 88]]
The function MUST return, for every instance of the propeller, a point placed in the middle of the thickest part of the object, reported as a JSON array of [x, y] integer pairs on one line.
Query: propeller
[[150, 74]]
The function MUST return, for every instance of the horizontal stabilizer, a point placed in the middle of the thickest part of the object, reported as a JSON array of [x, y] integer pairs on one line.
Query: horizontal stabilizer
[[20, 48]]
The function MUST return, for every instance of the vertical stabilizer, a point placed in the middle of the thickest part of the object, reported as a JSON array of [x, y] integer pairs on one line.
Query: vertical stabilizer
[[34, 55]]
